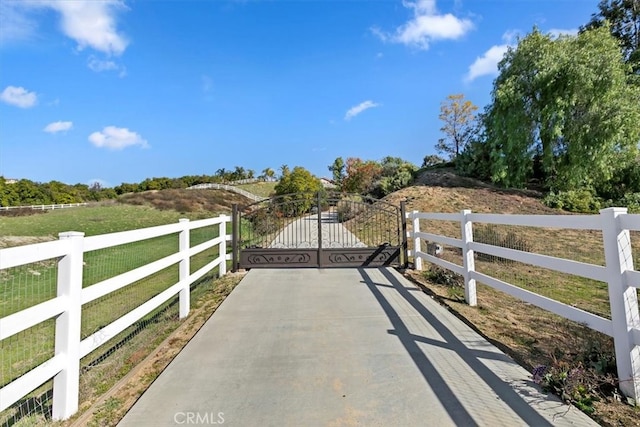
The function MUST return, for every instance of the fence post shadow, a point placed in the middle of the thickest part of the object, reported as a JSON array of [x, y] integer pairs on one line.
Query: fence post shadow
[[471, 357]]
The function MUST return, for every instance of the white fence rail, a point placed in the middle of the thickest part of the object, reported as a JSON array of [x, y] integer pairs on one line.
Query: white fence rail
[[618, 273], [66, 307], [226, 187], [44, 207]]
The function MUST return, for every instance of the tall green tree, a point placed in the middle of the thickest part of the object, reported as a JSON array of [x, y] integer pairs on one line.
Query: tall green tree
[[623, 17], [297, 190], [458, 117], [564, 104], [8, 194], [337, 171]]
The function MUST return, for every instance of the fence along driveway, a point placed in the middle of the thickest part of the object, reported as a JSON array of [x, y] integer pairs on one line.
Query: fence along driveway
[[331, 347]]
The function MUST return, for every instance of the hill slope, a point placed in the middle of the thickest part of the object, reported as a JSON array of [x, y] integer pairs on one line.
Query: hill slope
[[442, 190]]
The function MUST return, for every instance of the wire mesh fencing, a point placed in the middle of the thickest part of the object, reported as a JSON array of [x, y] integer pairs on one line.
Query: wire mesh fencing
[[584, 246], [577, 245], [23, 287], [27, 285]]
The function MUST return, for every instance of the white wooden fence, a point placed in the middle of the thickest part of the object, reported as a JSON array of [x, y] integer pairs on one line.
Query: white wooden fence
[[64, 367], [618, 273], [44, 207], [212, 186]]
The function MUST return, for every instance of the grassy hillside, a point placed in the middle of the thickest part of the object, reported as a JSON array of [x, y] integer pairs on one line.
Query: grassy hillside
[[263, 189]]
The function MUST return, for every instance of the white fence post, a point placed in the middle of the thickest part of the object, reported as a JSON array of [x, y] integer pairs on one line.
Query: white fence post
[[222, 248], [468, 262], [417, 261], [66, 384], [184, 246], [623, 300]]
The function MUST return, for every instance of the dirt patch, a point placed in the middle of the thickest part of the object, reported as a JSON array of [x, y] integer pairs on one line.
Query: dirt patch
[[427, 198], [11, 241], [182, 200], [448, 177], [21, 212]]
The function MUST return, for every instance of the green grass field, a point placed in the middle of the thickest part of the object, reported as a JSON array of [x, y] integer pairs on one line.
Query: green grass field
[[263, 189], [92, 220]]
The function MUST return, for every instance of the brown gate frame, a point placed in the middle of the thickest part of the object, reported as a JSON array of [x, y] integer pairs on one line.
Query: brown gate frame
[[350, 257]]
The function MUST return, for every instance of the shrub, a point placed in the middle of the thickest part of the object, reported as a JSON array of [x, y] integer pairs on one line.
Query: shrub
[[453, 281], [442, 276], [582, 200], [348, 209], [629, 200], [475, 161], [263, 222]]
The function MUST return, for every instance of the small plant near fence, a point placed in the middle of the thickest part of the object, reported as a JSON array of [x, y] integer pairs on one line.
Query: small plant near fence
[[452, 281], [581, 379]]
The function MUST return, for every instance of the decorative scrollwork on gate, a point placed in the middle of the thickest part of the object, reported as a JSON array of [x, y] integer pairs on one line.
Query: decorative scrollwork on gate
[[278, 259], [332, 229]]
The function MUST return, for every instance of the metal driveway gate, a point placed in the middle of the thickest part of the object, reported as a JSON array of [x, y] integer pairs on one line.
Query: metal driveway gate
[[319, 230]]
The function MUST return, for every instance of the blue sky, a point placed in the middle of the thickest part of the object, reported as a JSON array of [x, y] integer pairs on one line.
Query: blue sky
[[119, 91]]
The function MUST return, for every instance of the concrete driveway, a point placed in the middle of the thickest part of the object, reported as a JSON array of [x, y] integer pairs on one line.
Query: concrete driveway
[[303, 233], [342, 347]]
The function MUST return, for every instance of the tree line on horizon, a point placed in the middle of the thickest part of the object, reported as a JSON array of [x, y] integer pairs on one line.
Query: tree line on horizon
[[25, 192]]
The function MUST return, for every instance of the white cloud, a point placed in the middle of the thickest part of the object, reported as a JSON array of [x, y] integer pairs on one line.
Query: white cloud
[[487, 64], [116, 138], [90, 23], [19, 97], [100, 65], [58, 127], [426, 26], [354, 111]]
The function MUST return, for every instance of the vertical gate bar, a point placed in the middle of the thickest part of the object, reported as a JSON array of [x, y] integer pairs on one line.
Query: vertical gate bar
[[376, 228], [405, 246], [234, 237], [319, 232]]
